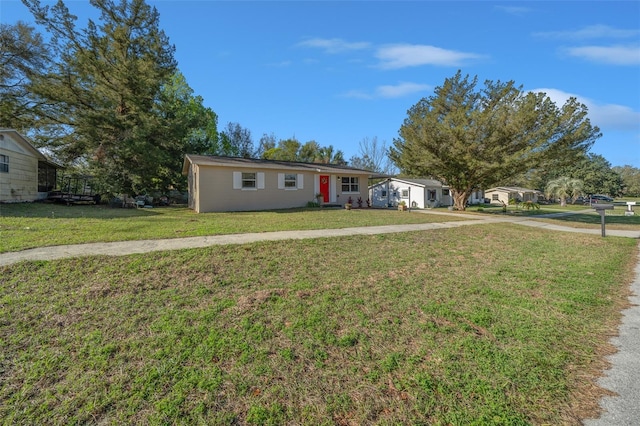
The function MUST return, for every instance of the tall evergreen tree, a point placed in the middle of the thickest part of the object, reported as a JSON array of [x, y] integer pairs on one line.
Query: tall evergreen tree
[[471, 138], [107, 86], [23, 54]]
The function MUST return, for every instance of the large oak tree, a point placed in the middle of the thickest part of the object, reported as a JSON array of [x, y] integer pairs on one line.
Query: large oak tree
[[470, 137]]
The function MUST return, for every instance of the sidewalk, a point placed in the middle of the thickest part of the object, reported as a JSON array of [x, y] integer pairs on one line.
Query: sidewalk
[[120, 248], [623, 378]]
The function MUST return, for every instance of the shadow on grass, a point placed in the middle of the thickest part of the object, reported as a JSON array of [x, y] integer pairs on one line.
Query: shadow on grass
[[63, 211], [595, 219]]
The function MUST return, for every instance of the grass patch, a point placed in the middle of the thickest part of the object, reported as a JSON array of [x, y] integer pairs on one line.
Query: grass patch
[[40, 224], [614, 219], [582, 216], [464, 326]]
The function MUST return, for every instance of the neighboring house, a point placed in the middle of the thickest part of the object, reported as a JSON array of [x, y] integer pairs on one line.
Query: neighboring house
[[219, 184], [503, 194], [25, 173], [416, 193], [477, 197]]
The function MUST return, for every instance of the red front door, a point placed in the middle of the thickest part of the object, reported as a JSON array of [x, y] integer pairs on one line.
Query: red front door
[[324, 187]]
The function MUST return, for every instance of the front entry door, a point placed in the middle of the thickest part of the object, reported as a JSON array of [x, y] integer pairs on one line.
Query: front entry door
[[324, 187]]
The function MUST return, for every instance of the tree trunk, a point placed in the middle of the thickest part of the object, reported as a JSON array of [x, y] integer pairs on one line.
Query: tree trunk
[[460, 199], [563, 202]]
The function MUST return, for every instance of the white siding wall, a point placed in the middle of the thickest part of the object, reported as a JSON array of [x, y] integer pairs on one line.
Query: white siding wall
[[21, 183]]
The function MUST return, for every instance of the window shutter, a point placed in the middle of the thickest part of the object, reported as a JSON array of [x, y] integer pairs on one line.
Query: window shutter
[[260, 180], [300, 181], [237, 180], [280, 180]]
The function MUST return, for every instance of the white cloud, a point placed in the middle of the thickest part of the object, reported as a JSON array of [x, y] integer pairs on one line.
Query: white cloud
[[605, 116], [400, 90], [616, 55], [590, 32], [333, 45], [389, 91], [411, 55], [514, 10]]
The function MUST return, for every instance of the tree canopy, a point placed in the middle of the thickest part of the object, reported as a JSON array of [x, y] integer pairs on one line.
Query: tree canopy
[[23, 54], [292, 150], [120, 107], [478, 138], [630, 180]]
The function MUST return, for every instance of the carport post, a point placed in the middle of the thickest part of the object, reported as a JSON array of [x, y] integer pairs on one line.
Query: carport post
[[600, 208]]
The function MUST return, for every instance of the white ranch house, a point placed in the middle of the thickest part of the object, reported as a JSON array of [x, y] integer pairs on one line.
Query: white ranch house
[[416, 193]]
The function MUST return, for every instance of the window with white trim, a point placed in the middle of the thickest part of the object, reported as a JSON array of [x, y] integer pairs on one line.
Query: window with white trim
[[290, 180], [4, 163], [350, 184], [495, 197], [405, 193], [445, 192], [248, 180]]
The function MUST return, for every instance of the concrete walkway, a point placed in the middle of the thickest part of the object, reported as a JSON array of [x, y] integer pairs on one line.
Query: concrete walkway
[[623, 378], [120, 248]]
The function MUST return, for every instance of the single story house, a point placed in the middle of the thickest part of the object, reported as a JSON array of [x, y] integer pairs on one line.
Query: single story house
[[503, 194], [25, 173], [416, 193], [219, 184]]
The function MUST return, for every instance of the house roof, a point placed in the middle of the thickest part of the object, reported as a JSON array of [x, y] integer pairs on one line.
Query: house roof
[[510, 189], [26, 144], [416, 182], [237, 162]]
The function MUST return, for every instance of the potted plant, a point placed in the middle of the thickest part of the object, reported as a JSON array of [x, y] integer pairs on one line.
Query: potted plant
[[348, 204], [402, 206]]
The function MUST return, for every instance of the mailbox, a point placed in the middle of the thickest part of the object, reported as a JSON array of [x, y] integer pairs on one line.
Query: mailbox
[[600, 208]]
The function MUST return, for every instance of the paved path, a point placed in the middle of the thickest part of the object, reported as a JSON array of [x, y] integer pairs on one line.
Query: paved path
[[120, 248], [623, 378]]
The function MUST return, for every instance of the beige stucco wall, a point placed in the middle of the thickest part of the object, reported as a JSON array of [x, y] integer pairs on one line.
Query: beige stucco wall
[[211, 190], [21, 183]]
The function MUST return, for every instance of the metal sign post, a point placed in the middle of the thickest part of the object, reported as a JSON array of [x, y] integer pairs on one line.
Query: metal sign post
[[600, 208]]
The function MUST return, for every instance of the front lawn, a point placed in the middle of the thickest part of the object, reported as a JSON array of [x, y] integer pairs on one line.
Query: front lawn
[[41, 224], [492, 324]]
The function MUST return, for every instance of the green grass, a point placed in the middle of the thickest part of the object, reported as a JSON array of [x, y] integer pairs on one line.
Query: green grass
[[583, 217], [496, 324], [38, 224]]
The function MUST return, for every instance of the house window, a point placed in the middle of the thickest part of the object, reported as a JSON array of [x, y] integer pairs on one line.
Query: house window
[[495, 197], [350, 184], [445, 192], [405, 193], [248, 180], [290, 181], [383, 193], [4, 163], [431, 195]]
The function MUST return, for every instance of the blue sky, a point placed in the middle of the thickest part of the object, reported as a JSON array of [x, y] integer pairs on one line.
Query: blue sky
[[340, 71]]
